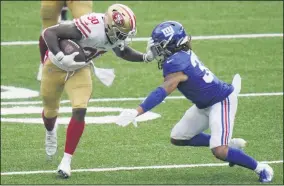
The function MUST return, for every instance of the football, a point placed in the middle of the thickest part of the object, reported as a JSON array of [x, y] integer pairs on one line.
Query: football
[[68, 46]]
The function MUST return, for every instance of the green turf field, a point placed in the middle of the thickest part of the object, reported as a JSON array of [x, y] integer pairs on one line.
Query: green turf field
[[106, 151]]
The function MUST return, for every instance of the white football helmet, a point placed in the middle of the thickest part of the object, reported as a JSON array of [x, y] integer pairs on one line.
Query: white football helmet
[[120, 23]]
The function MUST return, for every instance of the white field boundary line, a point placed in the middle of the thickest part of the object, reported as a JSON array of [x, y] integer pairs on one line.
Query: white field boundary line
[[237, 36], [132, 99], [110, 169]]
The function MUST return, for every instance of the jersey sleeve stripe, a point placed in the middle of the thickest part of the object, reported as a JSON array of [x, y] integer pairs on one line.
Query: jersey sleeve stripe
[[80, 28], [85, 26]]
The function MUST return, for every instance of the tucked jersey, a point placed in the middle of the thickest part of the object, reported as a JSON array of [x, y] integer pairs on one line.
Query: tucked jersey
[[94, 40], [203, 88]]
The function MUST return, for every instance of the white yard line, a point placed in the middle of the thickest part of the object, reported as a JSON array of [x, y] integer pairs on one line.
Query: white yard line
[[236, 36], [130, 168], [132, 99]]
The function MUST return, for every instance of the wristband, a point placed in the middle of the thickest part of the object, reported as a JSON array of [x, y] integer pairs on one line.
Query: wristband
[[145, 58], [155, 98], [59, 56]]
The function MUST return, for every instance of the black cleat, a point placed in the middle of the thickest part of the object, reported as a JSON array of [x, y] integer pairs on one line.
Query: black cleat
[[62, 174]]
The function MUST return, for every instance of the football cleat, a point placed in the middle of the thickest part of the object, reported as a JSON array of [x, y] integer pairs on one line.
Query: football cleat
[[51, 142], [39, 74], [265, 173], [237, 143], [64, 169]]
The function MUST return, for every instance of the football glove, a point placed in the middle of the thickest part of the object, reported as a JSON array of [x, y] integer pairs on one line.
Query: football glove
[[66, 62], [148, 56], [150, 43], [126, 117]]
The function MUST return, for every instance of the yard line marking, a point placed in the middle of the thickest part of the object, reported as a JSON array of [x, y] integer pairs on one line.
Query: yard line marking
[[129, 168], [134, 99], [235, 36]]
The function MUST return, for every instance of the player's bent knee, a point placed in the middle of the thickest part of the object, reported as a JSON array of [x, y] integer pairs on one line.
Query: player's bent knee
[[80, 8], [50, 113], [220, 152], [48, 13], [79, 113], [48, 23], [49, 16], [177, 142]]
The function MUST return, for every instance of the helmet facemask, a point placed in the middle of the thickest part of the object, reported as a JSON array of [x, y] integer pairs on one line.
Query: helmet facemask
[[114, 34], [164, 49], [160, 53]]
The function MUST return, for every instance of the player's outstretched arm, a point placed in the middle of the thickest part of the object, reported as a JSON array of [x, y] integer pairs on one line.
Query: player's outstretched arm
[[171, 82], [62, 31], [130, 54]]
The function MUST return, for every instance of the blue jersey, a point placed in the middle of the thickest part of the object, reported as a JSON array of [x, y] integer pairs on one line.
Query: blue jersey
[[203, 88]]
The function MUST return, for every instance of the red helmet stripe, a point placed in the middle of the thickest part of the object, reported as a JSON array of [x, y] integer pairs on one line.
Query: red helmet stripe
[[131, 20]]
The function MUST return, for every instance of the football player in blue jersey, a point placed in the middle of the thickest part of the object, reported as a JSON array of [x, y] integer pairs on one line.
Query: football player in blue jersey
[[215, 102]]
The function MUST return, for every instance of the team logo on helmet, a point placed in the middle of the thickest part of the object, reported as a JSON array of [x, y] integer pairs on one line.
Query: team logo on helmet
[[118, 18]]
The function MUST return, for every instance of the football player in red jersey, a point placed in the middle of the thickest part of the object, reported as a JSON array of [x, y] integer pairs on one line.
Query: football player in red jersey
[[96, 33]]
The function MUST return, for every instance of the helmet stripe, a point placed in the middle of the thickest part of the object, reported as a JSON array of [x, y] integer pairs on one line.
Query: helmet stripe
[[131, 15]]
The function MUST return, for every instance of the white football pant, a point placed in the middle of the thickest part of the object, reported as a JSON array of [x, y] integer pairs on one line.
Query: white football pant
[[218, 117]]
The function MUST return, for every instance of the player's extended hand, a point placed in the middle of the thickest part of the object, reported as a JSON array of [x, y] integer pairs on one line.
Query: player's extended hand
[[150, 43], [148, 56], [126, 117], [67, 61]]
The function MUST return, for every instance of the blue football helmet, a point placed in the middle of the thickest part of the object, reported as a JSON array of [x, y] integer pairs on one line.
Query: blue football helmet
[[168, 38]]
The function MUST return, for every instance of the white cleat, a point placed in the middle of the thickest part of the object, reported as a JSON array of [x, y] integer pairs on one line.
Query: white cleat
[[237, 143], [39, 74], [51, 142], [265, 172], [64, 169]]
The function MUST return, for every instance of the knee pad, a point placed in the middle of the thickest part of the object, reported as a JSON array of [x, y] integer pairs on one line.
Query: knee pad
[[80, 8], [49, 13], [50, 106], [50, 113]]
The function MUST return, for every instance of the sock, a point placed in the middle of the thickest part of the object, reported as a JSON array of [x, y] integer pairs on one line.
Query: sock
[[64, 14], [201, 139], [67, 158], [74, 131], [48, 122], [238, 157], [258, 168], [42, 48]]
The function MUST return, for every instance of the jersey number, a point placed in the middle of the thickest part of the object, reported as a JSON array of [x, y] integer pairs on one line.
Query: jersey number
[[93, 19], [208, 76]]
